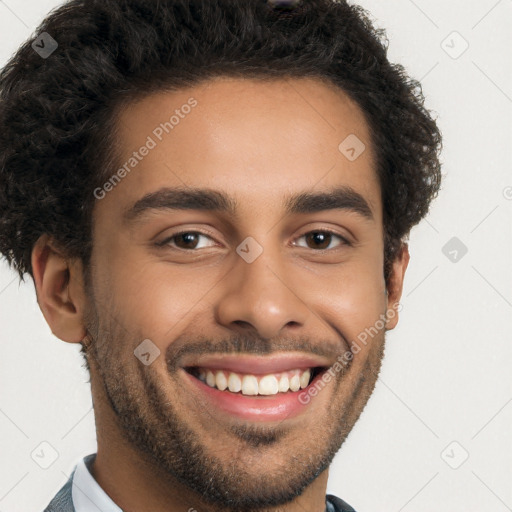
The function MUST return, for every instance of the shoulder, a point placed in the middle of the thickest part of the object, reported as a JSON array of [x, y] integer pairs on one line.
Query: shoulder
[[335, 504], [63, 500]]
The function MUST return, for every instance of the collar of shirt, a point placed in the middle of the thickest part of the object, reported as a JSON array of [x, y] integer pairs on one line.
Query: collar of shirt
[[86, 492]]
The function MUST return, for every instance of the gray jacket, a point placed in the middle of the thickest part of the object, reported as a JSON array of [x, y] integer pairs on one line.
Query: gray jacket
[[63, 501]]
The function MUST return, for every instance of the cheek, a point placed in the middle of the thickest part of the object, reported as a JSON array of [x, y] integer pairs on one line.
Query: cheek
[[155, 299], [353, 302]]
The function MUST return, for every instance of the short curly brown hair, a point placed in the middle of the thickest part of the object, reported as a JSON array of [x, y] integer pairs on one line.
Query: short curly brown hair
[[57, 114]]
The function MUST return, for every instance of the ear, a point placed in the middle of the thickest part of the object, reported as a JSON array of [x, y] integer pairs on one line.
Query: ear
[[59, 289], [395, 286]]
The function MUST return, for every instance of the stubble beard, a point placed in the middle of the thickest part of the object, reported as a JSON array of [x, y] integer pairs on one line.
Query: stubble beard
[[150, 422]]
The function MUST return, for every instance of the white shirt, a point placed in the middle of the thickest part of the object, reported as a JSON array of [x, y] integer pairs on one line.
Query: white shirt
[[87, 494]]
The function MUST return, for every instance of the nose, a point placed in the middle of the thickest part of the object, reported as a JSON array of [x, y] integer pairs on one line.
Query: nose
[[263, 297]]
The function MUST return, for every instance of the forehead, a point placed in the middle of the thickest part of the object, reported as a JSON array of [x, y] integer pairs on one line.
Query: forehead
[[254, 139]]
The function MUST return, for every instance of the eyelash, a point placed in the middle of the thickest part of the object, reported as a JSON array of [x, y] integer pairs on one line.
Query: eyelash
[[166, 241]]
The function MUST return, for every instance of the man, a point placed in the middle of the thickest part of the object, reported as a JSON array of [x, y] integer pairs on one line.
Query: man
[[213, 198]]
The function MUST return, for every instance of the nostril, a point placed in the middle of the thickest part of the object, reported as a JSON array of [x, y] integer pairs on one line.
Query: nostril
[[242, 323]]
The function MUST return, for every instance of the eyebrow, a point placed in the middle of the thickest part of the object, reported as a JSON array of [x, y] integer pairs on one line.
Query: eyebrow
[[205, 199]]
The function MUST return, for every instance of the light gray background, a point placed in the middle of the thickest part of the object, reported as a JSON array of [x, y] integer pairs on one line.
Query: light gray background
[[445, 389]]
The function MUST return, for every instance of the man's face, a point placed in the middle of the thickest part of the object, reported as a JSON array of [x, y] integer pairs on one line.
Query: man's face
[[260, 291]]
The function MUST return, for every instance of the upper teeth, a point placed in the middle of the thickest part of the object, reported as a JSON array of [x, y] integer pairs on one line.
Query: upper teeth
[[256, 385]]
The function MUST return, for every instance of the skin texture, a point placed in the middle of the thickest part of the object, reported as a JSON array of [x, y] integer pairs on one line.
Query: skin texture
[[159, 446]]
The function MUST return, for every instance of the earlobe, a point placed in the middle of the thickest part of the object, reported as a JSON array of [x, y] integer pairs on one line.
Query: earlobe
[[395, 286], [54, 278]]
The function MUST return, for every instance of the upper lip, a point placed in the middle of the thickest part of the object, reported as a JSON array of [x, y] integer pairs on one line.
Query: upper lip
[[252, 364]]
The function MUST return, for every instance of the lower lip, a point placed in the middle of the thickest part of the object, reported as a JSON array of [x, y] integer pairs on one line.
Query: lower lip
[[258, 408]]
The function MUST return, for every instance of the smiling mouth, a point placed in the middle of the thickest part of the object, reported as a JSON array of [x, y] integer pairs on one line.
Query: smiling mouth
[[247, 384]]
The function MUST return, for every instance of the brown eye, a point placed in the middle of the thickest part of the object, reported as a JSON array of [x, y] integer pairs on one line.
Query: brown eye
[[186, 240], [321, 240]]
